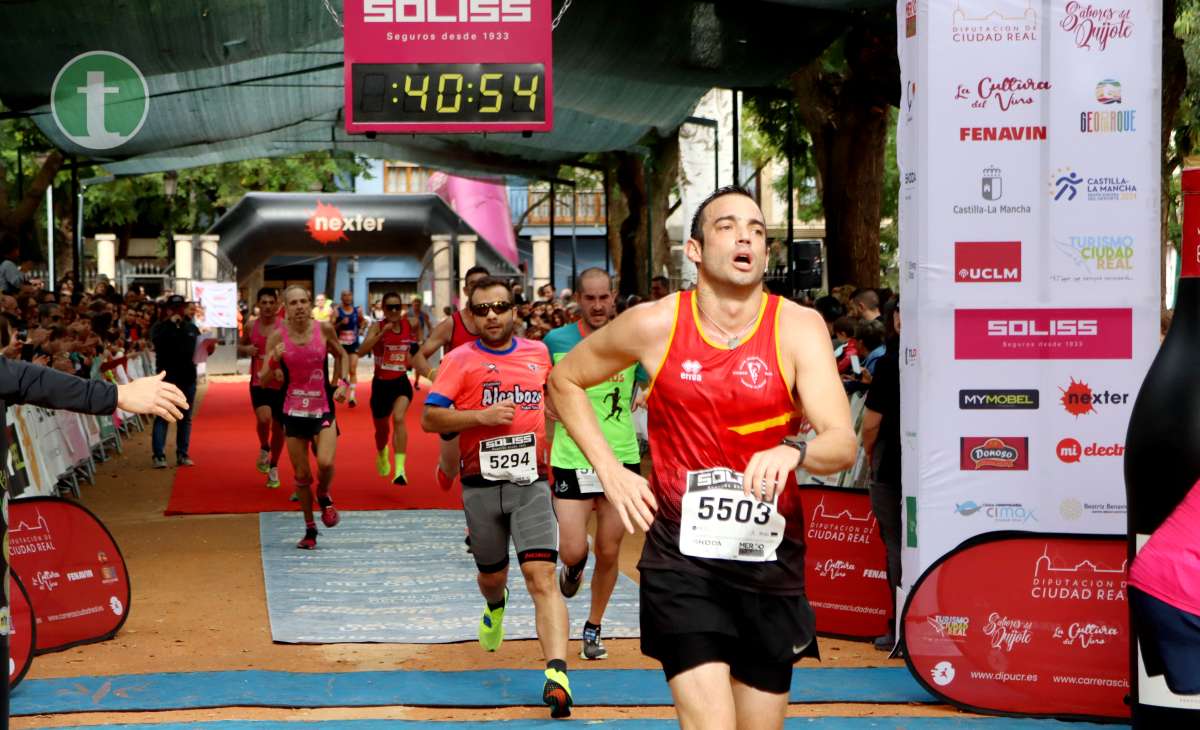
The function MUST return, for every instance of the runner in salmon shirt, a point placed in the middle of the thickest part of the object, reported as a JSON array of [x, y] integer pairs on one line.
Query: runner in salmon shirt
[[722, 572], [492, 393], [300, 348], [451, 333], [391, 342], [267, 400]]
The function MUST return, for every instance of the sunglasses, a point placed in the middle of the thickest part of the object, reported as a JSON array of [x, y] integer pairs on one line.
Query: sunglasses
[[482, 309], [393, 307]]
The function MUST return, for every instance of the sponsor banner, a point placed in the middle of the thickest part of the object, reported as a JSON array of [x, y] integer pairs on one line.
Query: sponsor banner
[[994, 453], [1033, 624], [77, 581], [987, 262], [21, 631], [845, 563], [1043, 334], [998, 400]]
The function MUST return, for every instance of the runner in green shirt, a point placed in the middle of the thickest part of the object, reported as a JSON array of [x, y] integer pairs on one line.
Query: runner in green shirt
[[576, 488]]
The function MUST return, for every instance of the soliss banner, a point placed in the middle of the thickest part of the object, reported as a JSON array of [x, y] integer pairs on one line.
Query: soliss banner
[[845, 563], [75, 574], [1018, 623], [21, 631]]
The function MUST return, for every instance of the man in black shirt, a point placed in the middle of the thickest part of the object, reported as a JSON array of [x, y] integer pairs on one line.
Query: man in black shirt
[[881, 440], [174, 341]]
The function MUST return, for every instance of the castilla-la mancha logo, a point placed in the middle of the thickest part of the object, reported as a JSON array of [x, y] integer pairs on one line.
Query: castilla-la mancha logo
[[327, 225]]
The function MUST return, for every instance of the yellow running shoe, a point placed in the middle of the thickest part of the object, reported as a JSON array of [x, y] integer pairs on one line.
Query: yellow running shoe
[[557, 694], [383, 462], [491, 626]]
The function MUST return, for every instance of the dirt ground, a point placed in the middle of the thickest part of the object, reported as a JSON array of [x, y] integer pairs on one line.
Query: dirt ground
[[179, 623]]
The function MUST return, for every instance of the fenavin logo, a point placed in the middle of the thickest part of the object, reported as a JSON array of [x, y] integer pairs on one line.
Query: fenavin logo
[[997, 400], [99, 100], [460, 11]]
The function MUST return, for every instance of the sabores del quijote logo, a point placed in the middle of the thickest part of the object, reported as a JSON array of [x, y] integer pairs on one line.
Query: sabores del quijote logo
[[1095, 27]]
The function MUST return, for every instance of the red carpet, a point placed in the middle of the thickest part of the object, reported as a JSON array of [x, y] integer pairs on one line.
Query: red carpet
[[225, 447]]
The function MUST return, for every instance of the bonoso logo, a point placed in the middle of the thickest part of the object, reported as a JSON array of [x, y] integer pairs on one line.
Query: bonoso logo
[[99, 100]]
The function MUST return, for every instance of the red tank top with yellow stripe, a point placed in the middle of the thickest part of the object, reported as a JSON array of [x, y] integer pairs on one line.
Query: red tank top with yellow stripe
[[713, 406]]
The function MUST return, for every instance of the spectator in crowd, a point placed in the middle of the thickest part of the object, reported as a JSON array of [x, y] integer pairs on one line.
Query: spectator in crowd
[[10, 269], [845, 347], [322, 308], [418, 319], [871, 334], [885, 296], [174, 339], [565, 296], [881, 442], [546, 292], [830, 310], [660, 286], [864, 304]]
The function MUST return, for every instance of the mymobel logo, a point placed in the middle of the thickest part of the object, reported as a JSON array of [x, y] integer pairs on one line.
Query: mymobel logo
[[99, 100], [997, 400], [462, 11]]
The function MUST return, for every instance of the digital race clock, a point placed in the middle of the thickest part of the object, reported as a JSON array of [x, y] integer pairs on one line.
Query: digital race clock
[[448, 66]]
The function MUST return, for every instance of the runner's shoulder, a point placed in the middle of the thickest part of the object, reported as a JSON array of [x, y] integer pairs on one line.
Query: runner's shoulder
[[651, 322], [562, 339], [534, 348]]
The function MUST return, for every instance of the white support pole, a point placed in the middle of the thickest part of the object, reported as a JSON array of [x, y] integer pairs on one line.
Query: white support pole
[[52, 284], [183, 264], [106, 256], [541, 261], [466, 257], [443, 281], [209, 268]]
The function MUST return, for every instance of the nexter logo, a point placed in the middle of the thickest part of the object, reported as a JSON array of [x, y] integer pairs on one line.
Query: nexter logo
[[451, 11]]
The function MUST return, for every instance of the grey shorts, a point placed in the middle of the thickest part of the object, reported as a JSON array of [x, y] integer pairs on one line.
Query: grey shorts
[[498, 511]]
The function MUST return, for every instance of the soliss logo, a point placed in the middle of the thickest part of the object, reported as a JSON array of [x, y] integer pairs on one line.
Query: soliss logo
[[465, 11]]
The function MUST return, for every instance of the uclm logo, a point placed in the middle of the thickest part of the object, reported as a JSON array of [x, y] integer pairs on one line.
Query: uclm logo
[[1043, 334], [327, 225], [447, 11], [987, 261]]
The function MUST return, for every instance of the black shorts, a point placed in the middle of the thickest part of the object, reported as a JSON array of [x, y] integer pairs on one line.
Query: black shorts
[[1170, 641], [688, 620], [272, 397], [301, 427], [384, 394], [566, 483], [351, 349]]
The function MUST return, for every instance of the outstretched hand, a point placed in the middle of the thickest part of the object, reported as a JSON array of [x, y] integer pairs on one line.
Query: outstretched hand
[[152, 395]]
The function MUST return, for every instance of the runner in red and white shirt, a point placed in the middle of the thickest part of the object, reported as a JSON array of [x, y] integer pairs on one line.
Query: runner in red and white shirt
[[299, 359], [392, 342], [266, 400], [492, 393], [722, 571]]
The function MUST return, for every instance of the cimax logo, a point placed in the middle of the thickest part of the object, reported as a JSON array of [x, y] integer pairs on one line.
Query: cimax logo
[[987, 261], [1043, 334], [460, 11]]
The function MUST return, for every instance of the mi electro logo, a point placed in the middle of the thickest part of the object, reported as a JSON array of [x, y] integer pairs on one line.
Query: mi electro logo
[[99, 100], [463, 11], [998, 400]]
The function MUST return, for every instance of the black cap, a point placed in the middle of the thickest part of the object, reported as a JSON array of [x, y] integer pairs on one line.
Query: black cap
[[176, 300]]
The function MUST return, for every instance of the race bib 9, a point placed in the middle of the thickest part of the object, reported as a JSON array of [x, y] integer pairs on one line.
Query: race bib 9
[[509, 459], [720, 521]]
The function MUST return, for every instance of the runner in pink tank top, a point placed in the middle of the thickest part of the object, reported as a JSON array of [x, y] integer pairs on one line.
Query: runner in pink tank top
[[300, 347], [266, 400]]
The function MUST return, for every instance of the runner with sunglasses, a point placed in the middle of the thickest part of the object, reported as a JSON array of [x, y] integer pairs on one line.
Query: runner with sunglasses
[[451, 333], [492, 393], [392, 342], [298, 358]]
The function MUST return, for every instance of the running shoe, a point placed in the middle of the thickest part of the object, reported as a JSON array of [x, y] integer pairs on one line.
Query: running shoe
[[273, 478], [568, 583], [443, 481], [352, 399], [184, 461], [399, 480], [330, 516], [309, 541], [557, 694], [160, 462], [383, 461], [491, 626], [264, 461], [593, 648], [295, 497]]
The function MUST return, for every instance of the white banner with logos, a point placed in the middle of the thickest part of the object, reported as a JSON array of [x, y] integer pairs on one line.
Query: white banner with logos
[[219, 301], [1029, 242]]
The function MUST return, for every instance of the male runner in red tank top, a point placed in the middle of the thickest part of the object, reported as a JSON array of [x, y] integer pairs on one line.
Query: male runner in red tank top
[[452, 332], [267, 402], [722, 572]]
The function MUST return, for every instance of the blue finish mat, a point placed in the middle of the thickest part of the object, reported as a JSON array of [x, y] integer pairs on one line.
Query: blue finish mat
[[491, 688], [403, 577], [795, 723]]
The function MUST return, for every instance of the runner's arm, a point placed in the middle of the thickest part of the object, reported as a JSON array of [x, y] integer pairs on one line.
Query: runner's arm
[[245, 347], [267, 373], [438, 339], [373, 334], [443, 419], [818, 388], [334, 347]]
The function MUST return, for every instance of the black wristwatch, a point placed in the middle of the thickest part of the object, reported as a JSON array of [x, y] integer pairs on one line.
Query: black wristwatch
[[799, 444]]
